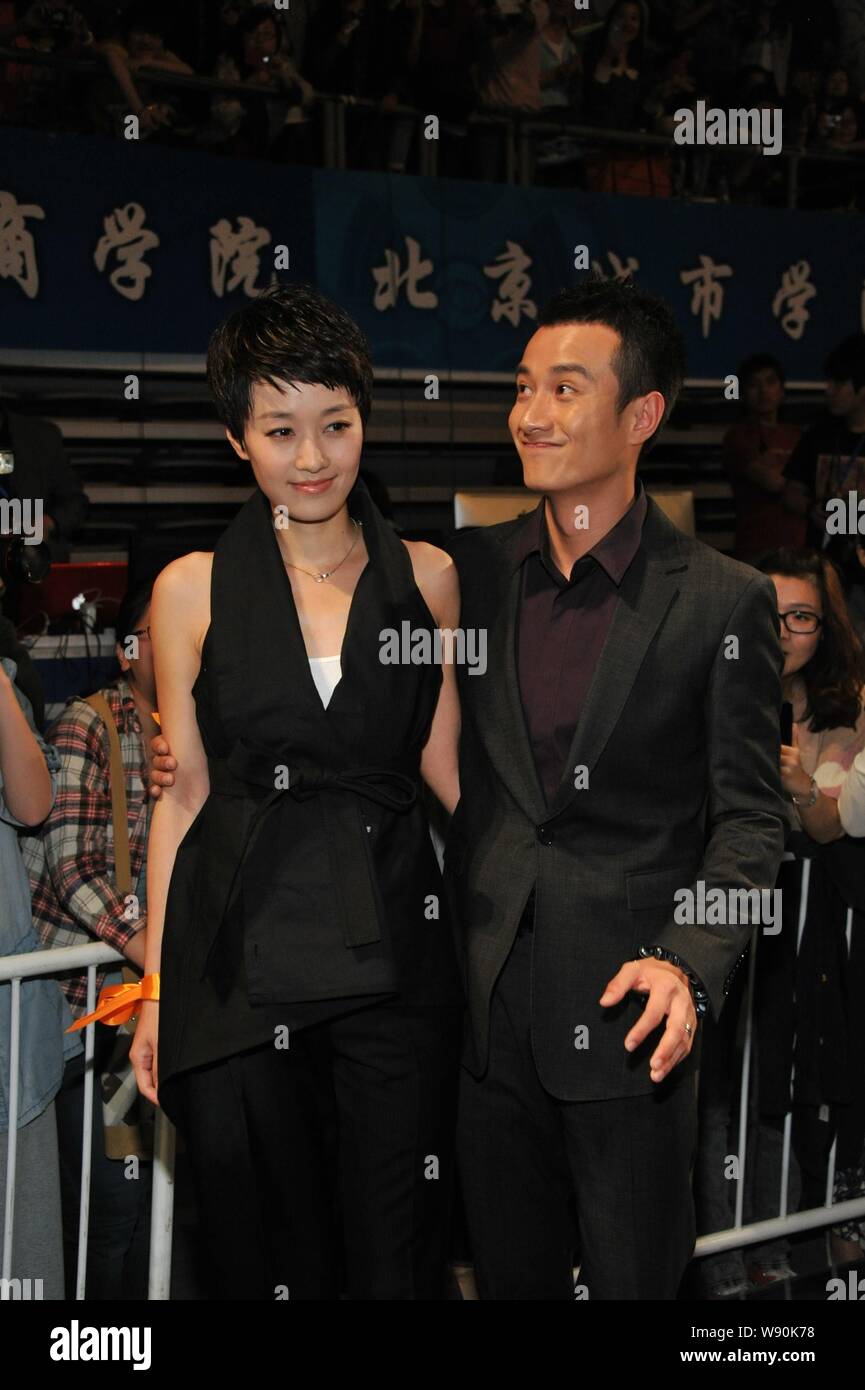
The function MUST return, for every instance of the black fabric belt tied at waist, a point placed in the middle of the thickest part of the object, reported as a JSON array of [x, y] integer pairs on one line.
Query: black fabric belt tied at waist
[[247, 767]]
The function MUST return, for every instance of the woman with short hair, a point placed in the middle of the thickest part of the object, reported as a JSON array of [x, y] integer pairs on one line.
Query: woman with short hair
[[307, 1036]]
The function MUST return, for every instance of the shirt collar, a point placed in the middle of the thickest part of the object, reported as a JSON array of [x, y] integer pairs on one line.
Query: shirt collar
[[613, 552]]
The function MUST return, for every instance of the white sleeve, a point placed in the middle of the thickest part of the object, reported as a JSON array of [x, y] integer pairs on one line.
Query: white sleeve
[[851, 802]]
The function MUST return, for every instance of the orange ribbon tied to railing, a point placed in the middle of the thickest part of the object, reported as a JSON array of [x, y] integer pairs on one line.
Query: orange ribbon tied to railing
[[118, 1003]]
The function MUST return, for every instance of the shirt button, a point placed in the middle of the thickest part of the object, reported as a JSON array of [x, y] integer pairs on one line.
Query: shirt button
[[545, 835]]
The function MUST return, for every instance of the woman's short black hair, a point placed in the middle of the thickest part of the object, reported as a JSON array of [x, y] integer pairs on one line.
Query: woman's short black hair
[[287, 333], [651, 351]]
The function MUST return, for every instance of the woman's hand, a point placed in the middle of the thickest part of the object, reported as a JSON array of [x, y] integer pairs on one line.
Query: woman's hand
[[794, 779], [822, 821], [144, 1048]]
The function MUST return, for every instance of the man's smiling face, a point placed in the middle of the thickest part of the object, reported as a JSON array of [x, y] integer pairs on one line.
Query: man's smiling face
[[564, 422]]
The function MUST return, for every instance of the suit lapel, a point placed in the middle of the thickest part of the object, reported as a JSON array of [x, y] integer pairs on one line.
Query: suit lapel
[[500, 712]]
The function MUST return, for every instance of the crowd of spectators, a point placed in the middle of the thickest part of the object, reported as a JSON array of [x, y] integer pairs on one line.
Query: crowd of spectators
[[626, 66]]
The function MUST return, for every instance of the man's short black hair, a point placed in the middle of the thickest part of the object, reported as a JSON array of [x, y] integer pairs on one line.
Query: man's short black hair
[[651, 351], [846, 362], [759, 362], [287, 333]]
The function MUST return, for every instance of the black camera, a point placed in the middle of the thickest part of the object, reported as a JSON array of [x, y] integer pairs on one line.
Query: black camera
[[22, 562]]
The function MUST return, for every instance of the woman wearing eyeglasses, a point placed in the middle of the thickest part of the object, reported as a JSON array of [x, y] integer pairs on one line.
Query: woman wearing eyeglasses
[[805, 1032], [807, 1018], [823, 676], [73, 866]]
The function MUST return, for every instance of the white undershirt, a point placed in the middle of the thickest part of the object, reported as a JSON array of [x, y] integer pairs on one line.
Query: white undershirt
[[327, 673]]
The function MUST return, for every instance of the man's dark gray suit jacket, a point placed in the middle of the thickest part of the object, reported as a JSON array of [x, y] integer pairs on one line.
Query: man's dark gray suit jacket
[[679, 737]]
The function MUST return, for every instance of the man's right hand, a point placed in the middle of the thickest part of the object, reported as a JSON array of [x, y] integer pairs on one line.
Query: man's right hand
[[162, 771]]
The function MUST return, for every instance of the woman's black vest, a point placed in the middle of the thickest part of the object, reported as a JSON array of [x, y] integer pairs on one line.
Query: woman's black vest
[[307, 884]]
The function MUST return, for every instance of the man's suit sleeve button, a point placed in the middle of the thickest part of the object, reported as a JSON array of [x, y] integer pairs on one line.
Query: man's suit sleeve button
[[545, 834]]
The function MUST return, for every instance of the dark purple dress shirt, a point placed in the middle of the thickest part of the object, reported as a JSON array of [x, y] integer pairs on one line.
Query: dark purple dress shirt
[[562, 625]]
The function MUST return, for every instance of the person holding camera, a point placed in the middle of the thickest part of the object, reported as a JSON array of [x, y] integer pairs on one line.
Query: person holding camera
[[36, 474]]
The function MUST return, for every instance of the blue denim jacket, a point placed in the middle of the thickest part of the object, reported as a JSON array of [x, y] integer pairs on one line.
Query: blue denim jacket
[[44, 1011]]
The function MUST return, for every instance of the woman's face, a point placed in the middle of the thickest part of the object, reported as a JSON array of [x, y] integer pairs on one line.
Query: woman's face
[[626, 25], [261, 42], [800, 596], [304, 444], [837, 84]]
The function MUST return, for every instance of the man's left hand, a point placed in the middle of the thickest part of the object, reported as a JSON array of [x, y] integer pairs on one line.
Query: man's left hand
[[669, 997]]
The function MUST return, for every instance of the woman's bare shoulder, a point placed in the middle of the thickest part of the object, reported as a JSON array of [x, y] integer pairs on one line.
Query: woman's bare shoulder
[[182, 591], [436, 576], [427, 560]]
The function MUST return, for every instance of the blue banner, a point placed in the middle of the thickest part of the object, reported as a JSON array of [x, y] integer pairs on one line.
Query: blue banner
[[119, 247]]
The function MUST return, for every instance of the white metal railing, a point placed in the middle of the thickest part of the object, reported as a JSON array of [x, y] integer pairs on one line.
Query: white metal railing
[[14, 969], [831, 1213]]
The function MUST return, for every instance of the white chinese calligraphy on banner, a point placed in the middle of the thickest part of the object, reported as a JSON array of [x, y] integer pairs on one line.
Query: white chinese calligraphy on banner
[[17, 247], [127, 236], [237, 251]]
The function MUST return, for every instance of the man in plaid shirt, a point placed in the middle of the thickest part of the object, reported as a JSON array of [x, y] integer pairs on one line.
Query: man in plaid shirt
[[71, 862], [75, 900]]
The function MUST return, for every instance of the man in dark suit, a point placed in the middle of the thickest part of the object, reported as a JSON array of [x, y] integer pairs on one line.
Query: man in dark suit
[[621, 746]]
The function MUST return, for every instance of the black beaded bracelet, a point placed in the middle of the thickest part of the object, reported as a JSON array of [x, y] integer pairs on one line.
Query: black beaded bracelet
[[700, 997]]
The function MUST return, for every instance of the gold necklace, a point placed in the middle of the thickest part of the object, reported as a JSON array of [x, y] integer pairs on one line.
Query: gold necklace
[[325, 574]]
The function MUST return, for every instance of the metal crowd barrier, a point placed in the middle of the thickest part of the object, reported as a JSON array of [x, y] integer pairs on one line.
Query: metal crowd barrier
[[14, 969], [831, 1213]]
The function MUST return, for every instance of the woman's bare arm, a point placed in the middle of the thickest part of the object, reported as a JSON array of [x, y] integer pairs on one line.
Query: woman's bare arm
[[179, 618], [26, 780], [436, 577]]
